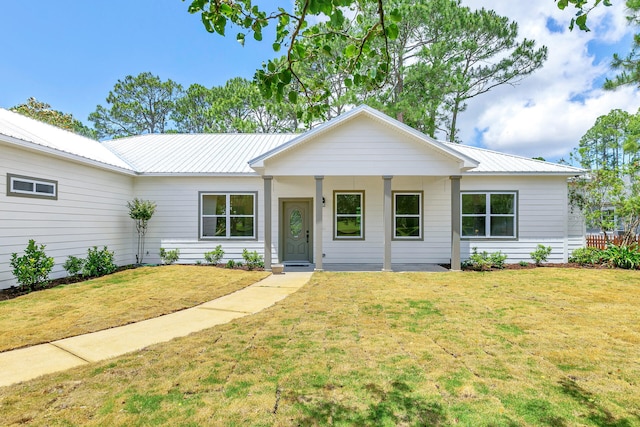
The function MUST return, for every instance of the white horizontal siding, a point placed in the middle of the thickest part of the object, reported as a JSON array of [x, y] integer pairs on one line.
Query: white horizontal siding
[[542, 217], [362, 147], [91, 210], [175, 222]]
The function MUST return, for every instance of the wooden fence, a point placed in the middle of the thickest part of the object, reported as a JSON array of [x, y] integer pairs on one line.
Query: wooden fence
[[599, 241]]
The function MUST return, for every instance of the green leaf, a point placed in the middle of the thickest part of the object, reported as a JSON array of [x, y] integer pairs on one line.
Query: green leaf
[[395, 16], [276, 47], [271, 66], [351, 51], [220, 24], [257, 35], [293, 97], [285, 76], [240, 38], [392, 31], [581, 22]]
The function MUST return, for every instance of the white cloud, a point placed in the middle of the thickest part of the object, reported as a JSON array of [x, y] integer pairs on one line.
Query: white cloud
[[547, 113]]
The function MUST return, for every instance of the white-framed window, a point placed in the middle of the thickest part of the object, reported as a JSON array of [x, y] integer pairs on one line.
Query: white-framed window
[[348, 215], [228, 215], [490, 214], [407, 215], [26, 186]]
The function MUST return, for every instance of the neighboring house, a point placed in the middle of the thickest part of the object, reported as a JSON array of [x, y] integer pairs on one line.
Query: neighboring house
[[362, 188]]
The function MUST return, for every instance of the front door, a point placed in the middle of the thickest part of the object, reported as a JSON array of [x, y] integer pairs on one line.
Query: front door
[[296, 230]]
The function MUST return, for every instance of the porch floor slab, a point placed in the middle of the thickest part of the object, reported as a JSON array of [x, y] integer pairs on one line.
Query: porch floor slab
[[433, 268]]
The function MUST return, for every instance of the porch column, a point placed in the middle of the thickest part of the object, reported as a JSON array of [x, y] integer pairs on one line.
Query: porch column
[[387, 216], [455, 222], [267, 221], [317, 230]]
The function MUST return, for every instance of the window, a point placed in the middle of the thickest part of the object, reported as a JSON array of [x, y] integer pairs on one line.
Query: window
[[24, 186], [227, 216], [407, 216], [491, 215], [349, 215]]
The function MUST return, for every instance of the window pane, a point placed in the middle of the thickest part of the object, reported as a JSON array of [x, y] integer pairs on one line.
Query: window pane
[[241, 226], [214, 204], [348, 203], [474, 204], [502, 226], [241, 204], [214, 227], [502, 203], [22, 185], [348, 226], [44, 188], [473, 226], [407, 227], [295, 223], [407, 204]]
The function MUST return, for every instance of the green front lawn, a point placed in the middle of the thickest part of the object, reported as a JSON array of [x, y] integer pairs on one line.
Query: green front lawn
[[114, 300], [556, 347]]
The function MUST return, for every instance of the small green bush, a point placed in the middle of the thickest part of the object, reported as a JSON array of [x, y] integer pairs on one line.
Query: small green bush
[[73, 265], [230, 264], [627, 257], [169, 257], [523, 263], [252, 259], [540, 254], [587, 256], [99, 262], [214, 256], [484, 261], [33, 268]]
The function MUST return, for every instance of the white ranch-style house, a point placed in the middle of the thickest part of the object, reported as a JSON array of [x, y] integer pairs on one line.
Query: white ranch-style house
[[362, 188]]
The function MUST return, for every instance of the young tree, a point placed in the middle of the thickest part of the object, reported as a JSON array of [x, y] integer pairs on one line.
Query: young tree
[[140, 104], [43, 112], [141, 212]]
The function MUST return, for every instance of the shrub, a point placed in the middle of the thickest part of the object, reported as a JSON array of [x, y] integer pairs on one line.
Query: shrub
[[230, 264], [484, 261], [169, 257], [214, 256], [73, 265], [627, 257], [523, 263], [99, 262], [33, 268], [587, 256], [252, 259], [540, 254]]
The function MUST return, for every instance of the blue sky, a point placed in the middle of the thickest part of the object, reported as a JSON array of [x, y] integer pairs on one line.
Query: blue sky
[[70, 54]]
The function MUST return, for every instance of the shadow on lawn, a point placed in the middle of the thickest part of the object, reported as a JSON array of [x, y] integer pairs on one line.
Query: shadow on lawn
[[598, 414], [397, 406]]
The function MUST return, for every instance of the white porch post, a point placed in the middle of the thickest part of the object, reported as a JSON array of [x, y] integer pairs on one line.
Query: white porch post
[[267, 222], [317, 230], [388, 223], [455, 222]]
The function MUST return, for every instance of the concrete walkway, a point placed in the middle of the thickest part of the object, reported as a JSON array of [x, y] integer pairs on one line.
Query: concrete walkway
[[31, 362]]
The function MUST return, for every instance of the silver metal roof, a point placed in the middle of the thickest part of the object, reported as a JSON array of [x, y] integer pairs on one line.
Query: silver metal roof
[[195, 153], [30, 132], [222, 154], [495, 163]]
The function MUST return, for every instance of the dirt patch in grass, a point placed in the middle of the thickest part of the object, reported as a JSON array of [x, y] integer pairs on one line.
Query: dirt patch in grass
[[124, 297], [534, 347]]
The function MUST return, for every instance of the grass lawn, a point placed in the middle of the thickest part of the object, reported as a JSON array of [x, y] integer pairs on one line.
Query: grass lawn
[[114, 300], [556, 347]]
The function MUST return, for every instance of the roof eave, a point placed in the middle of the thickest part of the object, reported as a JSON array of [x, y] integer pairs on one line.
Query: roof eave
[[32, 146]]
